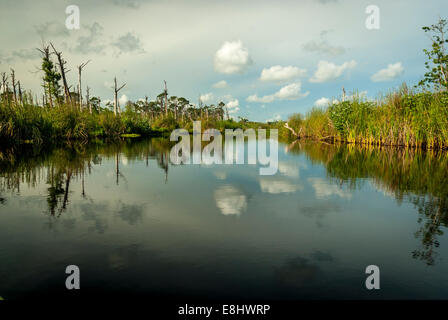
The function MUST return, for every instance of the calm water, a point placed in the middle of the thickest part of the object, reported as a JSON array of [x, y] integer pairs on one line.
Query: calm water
[[135, 224]]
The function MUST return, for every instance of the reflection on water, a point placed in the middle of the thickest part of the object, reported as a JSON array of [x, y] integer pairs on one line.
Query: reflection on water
[[419, 177], [328, 212], [230, 200]]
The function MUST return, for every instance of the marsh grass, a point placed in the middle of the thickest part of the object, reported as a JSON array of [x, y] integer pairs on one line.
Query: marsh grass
[[401, 118]]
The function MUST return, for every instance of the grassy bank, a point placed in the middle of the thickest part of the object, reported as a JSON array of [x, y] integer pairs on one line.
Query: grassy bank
[[36, 124], [402, 118]]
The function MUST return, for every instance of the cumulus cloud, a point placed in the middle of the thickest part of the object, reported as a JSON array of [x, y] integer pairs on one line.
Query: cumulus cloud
[[291, 91], [128, 43], [233, 106], [22, 55], [232, 57], [51, 29], [90, 43], [207, 98], [390, 73], [220, 84], [278, 186], [123, 100], [230, 200], [323, 47], [322, 102], [279, 73], [324, 189], [289, 169], [328, 71]]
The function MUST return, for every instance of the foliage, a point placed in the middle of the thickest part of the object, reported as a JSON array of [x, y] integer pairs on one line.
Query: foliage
[[403, 118], [437, 64]]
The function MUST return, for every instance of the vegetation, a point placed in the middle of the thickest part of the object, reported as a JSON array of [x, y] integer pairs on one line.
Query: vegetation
[[407, 117], [64, 115], [413, 175]]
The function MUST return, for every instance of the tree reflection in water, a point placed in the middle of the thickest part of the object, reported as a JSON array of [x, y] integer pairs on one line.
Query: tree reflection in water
[[416, 176], [59, 167]]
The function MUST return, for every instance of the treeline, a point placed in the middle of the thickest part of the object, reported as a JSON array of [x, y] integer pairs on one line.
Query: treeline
[[407, 117], [62, 112]]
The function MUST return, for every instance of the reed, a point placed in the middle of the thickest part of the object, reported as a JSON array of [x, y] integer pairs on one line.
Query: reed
[[401, 118]]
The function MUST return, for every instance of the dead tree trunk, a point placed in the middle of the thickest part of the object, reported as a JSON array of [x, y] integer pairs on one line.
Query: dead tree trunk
[[61, 63], [20, 94], [88, 99], [80, 67], [116, 106], [14, 83], [5, 86], [166, 99]]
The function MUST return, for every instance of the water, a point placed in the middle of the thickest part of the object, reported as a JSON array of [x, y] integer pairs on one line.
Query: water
[[137, 225]]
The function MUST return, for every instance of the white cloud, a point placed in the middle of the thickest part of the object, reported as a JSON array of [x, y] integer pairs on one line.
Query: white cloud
[[233, 106], [232, 57], [264, 99], [123, 99], [230, 200], [289, 92], [328, 71], [289, 169], [322, 102], [392, 72], [207, 98], [324, 189], [279, 73], [220, 84], [323, 47], [278, 186]]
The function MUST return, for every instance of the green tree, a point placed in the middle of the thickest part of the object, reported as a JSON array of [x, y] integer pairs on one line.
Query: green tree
[[437, 75], [51, 76]]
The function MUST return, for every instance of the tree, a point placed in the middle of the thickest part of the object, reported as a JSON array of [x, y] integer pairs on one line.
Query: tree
[[116, 90], [437, 75], [80, 67], [63, 71], [51, 76], [94, 104]]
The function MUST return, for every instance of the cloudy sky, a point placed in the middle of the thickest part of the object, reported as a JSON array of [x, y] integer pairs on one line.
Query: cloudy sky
[[266, 59]]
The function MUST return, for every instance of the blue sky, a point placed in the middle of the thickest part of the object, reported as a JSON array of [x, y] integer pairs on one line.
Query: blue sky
[[270, 58]]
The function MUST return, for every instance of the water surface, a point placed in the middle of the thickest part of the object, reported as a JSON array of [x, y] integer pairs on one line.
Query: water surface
[[137, 225]]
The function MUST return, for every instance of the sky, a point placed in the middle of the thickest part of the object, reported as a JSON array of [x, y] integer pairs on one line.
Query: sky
[[265, 59]]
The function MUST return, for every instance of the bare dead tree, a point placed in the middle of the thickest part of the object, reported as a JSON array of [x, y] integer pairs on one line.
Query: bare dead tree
[[5, 85], [20, 93], [88, 99], [80, 67], [64, 71], [165, 92], [14, 83], [116, 89]]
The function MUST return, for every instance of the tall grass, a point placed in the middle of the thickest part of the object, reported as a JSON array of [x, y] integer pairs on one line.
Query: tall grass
[[28, 123], [402, 118]]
